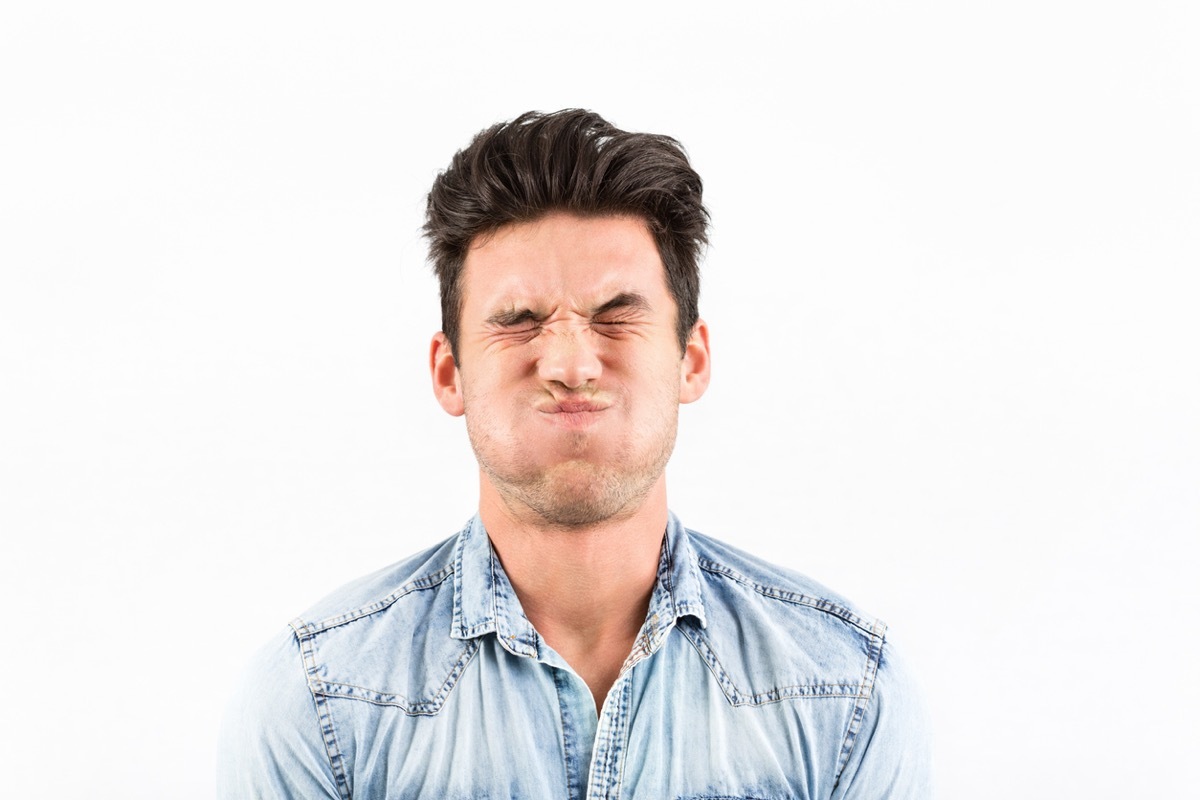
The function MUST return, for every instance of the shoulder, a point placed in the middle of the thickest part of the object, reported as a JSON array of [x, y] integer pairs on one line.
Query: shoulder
[[734, 574], [272, 742], [890, 753], [396, 596], [809, 641], [386, 637], [379, 591], [780, 632]]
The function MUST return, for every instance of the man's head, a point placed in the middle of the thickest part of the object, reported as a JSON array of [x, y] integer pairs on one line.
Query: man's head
[[568, 161], [567, 256]]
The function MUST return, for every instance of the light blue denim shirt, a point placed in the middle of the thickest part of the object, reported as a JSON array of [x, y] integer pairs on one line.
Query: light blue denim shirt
[[426, 680]]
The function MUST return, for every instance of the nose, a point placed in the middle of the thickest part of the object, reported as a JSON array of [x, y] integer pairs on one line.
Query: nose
[[569, 358]]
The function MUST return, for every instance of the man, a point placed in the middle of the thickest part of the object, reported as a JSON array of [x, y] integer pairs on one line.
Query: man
[[574, 640]]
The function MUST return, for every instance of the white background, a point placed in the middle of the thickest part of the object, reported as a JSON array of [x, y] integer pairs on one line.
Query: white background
[[952, 290]]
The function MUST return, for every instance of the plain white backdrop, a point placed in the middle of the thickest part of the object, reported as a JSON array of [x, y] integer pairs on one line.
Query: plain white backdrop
[[952, 291]]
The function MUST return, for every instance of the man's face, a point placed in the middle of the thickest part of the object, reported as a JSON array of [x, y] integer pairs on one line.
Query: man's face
[[569, 370]]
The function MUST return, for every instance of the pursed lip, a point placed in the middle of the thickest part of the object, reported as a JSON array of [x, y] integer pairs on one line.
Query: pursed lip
[[573, 414], [572, 407]]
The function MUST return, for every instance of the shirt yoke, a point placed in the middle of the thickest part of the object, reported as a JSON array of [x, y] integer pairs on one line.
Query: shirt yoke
[[774, 634]]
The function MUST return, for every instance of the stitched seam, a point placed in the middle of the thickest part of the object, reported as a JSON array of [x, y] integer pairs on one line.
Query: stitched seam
[[425, 582], [623, 753], [423, 709], [457, 617], [420, 707], [408, 708], [602, 782], [778, 694], [321, 706], [562, 724], [492, 588], [790, 597], [604, 777], [860, 708], [670, 572]]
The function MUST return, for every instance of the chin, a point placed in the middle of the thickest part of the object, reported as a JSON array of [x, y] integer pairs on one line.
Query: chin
[[581, 494]]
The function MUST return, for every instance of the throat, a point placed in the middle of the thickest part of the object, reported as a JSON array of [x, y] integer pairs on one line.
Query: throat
[[585, 591]]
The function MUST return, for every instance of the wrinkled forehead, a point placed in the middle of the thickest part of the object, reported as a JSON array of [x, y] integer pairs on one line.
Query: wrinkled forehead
[[563, 259]]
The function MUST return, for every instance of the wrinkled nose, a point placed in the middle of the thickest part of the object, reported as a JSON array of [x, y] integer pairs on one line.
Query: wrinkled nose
[[570, 359]]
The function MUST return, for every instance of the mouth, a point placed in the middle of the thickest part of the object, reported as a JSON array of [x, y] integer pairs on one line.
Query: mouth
[[573, 413], [575, 407]]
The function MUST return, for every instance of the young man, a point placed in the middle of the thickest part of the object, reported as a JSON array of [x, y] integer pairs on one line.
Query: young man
[[575, 640]]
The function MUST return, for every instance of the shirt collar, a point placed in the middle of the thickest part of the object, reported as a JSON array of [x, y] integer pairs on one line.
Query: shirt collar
[[484, 600], [677, 591]]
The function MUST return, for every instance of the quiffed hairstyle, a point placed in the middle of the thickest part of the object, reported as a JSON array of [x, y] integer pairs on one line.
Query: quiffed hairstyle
[[574, 161]]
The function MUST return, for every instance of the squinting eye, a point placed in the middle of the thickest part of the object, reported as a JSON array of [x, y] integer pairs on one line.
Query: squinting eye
[[521, 325]]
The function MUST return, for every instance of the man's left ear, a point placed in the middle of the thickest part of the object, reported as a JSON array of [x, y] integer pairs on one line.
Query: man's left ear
[[696, 364]]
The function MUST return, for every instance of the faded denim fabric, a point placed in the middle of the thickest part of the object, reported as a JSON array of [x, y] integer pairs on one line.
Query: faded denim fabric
[[426, 680]]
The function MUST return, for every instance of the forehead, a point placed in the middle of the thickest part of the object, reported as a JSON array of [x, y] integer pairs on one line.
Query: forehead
[[563, 258]]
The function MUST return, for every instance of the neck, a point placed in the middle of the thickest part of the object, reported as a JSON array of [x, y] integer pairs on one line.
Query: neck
[[583, 588]]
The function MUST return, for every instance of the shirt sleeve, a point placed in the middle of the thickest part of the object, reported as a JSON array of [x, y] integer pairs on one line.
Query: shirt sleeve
[[891, 756], [270, 744]]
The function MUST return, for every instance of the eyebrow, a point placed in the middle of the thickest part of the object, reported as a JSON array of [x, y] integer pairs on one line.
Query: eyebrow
[[512, 316], [631, 301]]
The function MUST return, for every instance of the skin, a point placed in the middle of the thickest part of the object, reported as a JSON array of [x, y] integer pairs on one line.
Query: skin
[[570, 376]]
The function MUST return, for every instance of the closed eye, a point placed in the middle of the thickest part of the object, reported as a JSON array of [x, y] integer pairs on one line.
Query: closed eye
[[515, 320], [613, 328], [624, 310]]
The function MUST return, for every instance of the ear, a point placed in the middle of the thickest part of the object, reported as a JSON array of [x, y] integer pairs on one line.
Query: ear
[[447, 387], [696, 364]]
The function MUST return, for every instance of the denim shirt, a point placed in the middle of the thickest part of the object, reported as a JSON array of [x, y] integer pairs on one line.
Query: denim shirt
[[426, 680]]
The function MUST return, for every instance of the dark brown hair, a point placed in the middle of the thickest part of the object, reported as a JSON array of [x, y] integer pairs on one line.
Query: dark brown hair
[[575, 161]]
